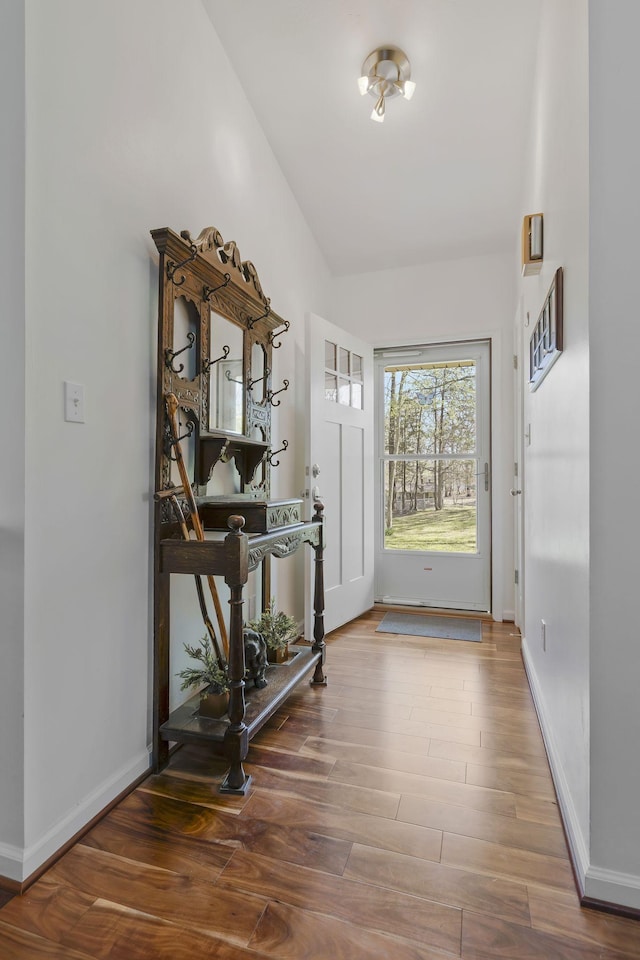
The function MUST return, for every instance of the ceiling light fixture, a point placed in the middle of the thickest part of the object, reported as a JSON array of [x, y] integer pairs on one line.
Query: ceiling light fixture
[[385, 74]]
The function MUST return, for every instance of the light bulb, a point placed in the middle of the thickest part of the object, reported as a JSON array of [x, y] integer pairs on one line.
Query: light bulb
[[363, 85], [377, 113], [409, 88]]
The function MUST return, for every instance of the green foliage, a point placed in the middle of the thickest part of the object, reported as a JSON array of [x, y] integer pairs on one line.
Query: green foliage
[[452, 529], [430, 411], [208, 671], [277, 628]]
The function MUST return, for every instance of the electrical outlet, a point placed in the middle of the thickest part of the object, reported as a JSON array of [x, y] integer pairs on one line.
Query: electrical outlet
[[73, 402], [543, 635]]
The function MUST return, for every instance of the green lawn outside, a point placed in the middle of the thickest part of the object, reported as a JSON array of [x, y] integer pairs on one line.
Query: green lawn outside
[[451, 529]]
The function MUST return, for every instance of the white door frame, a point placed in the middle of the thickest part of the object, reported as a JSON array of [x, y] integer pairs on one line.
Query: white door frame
[[501, 458], [519, 468], [459, 581]]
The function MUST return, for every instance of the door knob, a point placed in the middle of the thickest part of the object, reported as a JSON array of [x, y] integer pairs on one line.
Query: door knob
[[315, 470], [514, 493]]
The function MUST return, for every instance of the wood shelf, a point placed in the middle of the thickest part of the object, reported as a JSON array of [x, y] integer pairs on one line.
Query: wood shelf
[[219, 557], [185, 725], [247, 454]]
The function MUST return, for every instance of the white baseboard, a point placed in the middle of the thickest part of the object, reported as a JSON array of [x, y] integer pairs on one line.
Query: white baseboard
[[621, 889], [18, 864], [10, 862], [432, 604], [575, 837], [596, 883]]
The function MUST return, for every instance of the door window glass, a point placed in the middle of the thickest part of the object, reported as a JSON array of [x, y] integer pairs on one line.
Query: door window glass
[[430, 436], [430, 408], [343, 376], [430, 505]]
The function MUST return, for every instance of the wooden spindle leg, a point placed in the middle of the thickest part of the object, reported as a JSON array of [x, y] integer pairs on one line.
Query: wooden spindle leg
[[236, 739], [319, 645]]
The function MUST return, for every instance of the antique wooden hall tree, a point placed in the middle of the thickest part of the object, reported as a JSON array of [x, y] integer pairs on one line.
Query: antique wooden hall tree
[[216, 337]]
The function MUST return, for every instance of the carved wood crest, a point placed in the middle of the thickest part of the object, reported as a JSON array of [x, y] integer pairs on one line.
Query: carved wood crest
[[209, 244]]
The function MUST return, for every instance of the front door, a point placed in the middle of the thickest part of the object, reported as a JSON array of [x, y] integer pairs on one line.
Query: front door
[[433, 476], [339, 465]]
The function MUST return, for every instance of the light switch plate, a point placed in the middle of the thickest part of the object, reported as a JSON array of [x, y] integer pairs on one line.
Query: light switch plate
[[73, 402]]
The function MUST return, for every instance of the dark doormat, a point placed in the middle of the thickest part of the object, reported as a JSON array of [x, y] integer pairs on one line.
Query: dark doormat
[[421, 625]]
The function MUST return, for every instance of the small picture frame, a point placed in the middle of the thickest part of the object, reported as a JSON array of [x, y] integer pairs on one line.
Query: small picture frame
[[532, 244], [545, 345]]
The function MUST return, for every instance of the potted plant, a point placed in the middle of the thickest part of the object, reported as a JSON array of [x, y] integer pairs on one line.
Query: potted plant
[[214, 697], [278, 630]]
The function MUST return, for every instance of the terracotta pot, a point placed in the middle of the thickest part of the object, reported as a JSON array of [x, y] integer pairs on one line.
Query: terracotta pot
[[214, 705], [278, 656]]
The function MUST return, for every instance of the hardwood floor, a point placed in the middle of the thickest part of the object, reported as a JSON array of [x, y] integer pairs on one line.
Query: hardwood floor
[[404, 812], [5, 896]]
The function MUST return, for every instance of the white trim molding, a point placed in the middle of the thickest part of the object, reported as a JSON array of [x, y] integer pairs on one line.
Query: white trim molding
[[18, 865], [11, 862], [609, 886], [578, 844], [597, 884]]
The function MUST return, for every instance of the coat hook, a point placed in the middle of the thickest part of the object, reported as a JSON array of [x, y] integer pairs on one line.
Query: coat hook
[[251, 322], [207, 292], [250, 383], [170, 355], [273, 334], [207, 364], [184, 436], [271, 394], [231, 379], [172, 267], [272, 454], [171, 441]]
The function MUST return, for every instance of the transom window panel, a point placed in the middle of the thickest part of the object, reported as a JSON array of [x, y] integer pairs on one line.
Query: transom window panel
[[343, 381]]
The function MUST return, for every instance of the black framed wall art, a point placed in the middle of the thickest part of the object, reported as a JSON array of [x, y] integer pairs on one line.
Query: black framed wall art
[[545, 345]]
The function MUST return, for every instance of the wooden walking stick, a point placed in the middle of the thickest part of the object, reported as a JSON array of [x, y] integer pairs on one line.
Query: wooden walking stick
[[172, 495], [172, 405], [201, 600]]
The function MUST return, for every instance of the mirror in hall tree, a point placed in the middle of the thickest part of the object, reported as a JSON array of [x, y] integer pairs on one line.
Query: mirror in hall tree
[[258, 412], [226, 376]]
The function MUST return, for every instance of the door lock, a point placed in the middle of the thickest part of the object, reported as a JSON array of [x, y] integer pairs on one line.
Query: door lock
[[514, 493]]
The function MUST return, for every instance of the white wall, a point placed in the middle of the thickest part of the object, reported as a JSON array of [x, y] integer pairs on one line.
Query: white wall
[[450, 300], [556, 487], [116, 147], [615, 455], [12, 188], [135, 120]]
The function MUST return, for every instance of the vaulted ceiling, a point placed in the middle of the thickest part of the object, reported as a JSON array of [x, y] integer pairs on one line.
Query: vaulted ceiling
[[441, 178]]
